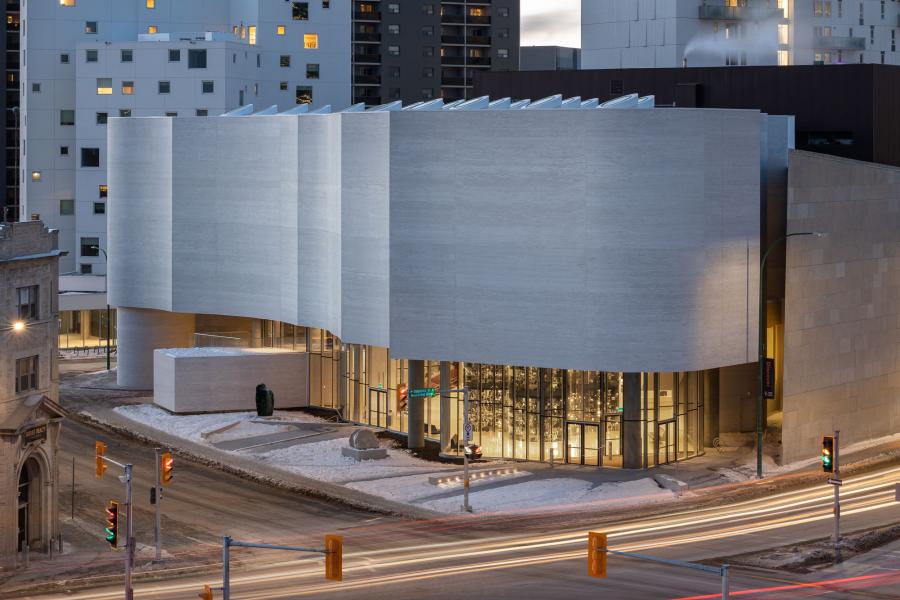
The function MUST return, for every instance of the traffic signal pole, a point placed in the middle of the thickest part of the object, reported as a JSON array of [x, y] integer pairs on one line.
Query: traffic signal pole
[[129, 536], [836, 538], [158, 499]]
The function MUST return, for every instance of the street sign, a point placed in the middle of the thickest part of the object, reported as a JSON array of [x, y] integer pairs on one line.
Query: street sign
[[467, 431], [422, 392], [833, 481]]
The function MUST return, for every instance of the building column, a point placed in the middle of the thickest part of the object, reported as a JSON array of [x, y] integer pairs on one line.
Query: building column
[[710, 407], [631, 422], [446, 408], [142, 331], [416, 406]]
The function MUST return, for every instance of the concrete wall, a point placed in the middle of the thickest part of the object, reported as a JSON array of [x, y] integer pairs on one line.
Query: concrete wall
[[842, 305], [140, 333], [216, 379]]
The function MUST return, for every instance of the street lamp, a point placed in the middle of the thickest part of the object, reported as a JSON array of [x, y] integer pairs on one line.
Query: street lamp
[[18, 326], [106, 290], [760, 393]]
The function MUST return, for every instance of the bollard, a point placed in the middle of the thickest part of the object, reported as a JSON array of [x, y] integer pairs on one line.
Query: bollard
[[724, 582]]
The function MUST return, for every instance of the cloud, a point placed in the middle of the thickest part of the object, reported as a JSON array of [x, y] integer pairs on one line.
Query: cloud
[[551, 23]]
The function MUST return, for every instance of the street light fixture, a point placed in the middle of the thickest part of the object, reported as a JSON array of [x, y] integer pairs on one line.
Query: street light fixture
[[108, 321], [760, 392], [18, 326]]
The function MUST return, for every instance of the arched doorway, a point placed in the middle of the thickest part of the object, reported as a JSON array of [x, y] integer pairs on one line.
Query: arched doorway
[[30, 500]]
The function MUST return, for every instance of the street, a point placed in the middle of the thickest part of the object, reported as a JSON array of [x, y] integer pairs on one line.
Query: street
[[493, 556]]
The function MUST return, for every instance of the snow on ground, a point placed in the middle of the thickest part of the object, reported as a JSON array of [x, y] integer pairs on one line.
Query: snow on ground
[[324, 461], [747, 468], [556, 493], [192, 427], [415, 487]]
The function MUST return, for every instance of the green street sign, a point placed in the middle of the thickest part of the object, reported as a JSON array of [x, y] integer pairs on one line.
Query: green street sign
[[422, 392]]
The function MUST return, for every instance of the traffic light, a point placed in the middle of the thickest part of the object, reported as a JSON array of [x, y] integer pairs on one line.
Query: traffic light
[[596, 554], [99, 451], [402, 396], [334, 557], [206, 594], [828, 454], [166, 467], [112, 524]]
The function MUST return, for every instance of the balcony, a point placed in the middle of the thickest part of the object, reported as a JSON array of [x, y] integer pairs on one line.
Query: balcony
[[827, 42], [719, 12], [366, 80], [366, 16], [478, 40], [453, 19], [456, 81], [359, 36], [478, 20], [479, 61], [453, 39], [369, 100], [367, 59], [453, 60]]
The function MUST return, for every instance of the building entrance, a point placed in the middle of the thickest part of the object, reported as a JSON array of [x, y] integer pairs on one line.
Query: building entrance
[[583, 444], [378, 408], [667, 442], [30, 514]]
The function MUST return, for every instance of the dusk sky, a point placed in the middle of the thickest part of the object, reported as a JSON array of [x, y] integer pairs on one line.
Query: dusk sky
[[551, 23]]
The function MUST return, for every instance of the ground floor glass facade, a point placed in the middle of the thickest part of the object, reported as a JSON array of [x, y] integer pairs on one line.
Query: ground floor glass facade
[[86, 328]]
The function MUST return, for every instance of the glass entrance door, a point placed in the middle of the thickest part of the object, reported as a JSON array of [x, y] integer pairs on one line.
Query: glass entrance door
[[378, 408], [666, 441], [583, 444]]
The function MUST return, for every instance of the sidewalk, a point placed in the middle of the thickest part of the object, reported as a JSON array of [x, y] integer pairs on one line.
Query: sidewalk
[[299, 452]]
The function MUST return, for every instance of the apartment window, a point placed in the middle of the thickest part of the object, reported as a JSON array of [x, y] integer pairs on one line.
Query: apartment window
[[861, 16], [393, 29], [174, 55], [251, 32], [503, 32], [840, 4], [394, 93], [127, 88], [427, 93], [304, 94], [882, 57], [310, 41], [90, 157], [428, 31], [300, 11], [35, 176], [196, 59], [207, 87], [503, 12], [256, 89], [428, 9], [27, 369], [63, 150], [871, 35], [783, 33], [393, 8], [102, 117], [428, 72], [67, 2], [124, 112], [882, 11], [90, 246], [27, 302], [99, 208], [164, 87], [893, 40], [427, 50], [67, 116], [279, 30], [394, 72], [312, 71], [151, 3], [502, 52], [90, 56], [66, 207], [201, 112], [152, 29], [326, 4], [258, 61], [126, 55], [90, 26], [35, 88], [827, 7], [284, 60], [283, 86], [64, 58], [394, 50], [104, 190], [104, 86]]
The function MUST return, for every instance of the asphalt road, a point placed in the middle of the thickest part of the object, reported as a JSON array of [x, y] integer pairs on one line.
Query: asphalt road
[[489, 557]]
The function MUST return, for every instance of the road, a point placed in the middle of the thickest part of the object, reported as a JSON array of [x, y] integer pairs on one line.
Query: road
[[492, 556]]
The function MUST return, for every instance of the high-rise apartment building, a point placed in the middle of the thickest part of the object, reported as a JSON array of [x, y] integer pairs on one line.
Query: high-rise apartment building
[[420, 50], [84, 62], [705, 33], [9, 208]]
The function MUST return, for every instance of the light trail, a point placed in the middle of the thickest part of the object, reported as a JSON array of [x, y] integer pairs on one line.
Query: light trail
[[826, 585]]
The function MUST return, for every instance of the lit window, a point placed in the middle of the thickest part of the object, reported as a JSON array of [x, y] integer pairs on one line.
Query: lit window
[[783, 33], [502, 52], [90, 26], [164, 87], [127, 88], [35, 175], [207, 87], [152, 29], [280, 30], [304, 94], [104, 190], [393, 8], [311, 40], [151, 3], [252, 34], [104, 86], [67, 2], [312, 71], [99, 208], [300, 11], [67, 115], [394, 50]]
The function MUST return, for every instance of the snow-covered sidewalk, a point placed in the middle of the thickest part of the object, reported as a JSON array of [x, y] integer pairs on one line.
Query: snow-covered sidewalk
[[401, 477]]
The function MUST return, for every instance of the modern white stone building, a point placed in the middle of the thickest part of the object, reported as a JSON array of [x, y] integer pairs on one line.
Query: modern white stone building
[[671, 33], [85, 61], [589, 273]]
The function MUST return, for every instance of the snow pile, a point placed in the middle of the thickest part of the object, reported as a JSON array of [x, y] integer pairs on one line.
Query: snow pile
[[555, 494], [324, 461], [193, 427], [416, 487]]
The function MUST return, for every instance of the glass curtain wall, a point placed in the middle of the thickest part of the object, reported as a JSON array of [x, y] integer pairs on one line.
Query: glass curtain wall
[[86, 328]]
